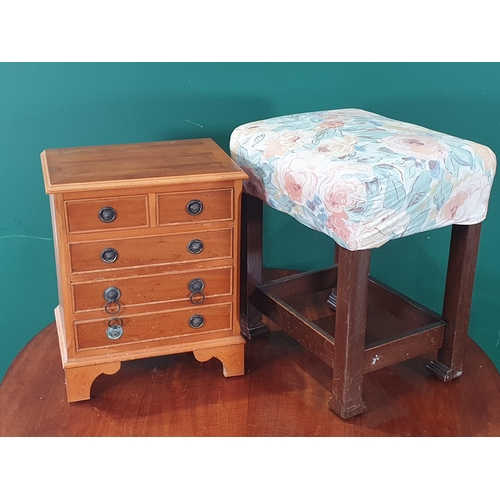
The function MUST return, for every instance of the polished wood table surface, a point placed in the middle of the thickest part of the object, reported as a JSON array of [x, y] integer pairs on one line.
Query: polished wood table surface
[[283, 393]]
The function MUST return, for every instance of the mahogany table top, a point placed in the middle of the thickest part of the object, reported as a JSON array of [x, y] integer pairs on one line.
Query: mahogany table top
[[283, 393]]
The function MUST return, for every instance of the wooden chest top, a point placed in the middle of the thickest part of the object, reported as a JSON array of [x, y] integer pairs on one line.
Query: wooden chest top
[[142, 164]]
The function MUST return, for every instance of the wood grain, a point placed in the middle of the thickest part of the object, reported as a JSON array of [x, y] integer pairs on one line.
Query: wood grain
[[350, 331], [150, 250], [349, 286], [63, 270], [134, 165], [153, 326], [155, 288], [131, 211], [80, 378], [217, 205], [251, 265], [148, 186], [457, 300], [232, 358], [283, 393]]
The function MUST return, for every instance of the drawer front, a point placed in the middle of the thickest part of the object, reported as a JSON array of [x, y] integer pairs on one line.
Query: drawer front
[[151, 250], [107, 213], [154, 326], [186, 286], [195, 206]]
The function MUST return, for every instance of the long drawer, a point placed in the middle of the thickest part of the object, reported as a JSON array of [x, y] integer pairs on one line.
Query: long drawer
[[153, 326], [150, 250], [194, 285]]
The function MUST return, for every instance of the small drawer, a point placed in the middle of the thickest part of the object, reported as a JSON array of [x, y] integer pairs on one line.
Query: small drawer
[[191, 287], [154, 326], [150, 250], [107, 213], [195, 206]]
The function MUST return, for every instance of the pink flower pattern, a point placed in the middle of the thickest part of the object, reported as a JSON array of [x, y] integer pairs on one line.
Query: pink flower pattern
[[416, 146], [361, 178]]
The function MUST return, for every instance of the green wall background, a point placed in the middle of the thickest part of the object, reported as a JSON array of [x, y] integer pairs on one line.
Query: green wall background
[[53, 105]]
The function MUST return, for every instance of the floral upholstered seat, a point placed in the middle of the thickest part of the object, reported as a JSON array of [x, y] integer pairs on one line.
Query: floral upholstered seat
[[361, 178]]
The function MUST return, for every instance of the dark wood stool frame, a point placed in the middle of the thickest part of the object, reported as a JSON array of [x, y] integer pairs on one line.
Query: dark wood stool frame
[[347, 352]]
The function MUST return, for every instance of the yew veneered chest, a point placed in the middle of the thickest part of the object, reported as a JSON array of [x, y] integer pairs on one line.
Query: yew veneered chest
[[147, 242]]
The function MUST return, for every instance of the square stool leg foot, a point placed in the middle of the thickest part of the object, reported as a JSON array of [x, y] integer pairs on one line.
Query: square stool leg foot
[[350, 330], [346, 412], [254, 331]]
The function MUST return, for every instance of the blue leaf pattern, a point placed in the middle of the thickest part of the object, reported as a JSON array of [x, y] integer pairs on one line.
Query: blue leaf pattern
[[361, 178]]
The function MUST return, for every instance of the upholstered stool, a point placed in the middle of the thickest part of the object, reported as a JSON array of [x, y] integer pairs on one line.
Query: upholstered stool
[[363, 180]]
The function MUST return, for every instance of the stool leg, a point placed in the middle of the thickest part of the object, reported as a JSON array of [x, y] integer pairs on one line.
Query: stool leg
[[457, 301], [251, 266], [350, 330]]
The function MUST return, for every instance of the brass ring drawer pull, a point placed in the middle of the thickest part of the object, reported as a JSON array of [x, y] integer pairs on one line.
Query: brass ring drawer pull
[[115, 328], [196, 287], [195, 246], [196, 321], [194, 207], [107, 214], [108, 307], [111, 295], [109, 255], [197, 298]]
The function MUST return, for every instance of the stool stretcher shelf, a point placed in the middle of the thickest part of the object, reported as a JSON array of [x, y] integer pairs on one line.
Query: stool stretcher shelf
[[424, 334]]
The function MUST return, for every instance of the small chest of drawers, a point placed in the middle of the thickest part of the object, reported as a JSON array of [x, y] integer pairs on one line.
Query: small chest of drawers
[[147, 243]]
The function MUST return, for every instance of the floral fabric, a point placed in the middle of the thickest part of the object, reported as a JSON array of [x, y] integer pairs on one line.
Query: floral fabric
[[361, 178]]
